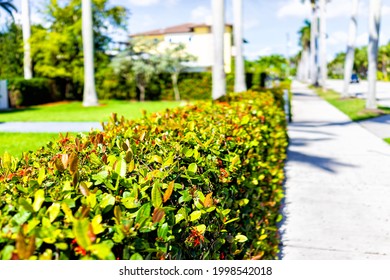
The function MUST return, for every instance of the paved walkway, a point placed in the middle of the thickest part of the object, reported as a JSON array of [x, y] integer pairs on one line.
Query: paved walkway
[[49, 126], [337, 202]]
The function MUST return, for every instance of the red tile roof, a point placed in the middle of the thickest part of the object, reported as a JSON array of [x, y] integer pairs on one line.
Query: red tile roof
[[182, 28]]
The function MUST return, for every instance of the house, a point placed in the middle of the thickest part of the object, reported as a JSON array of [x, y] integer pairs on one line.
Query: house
[[198, 40]]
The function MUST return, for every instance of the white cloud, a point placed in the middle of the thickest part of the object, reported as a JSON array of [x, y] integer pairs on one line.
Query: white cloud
[[362, 39], [201, 14], [294, 8], [140, 23], [337, 38], [144, 2], [251, 23]]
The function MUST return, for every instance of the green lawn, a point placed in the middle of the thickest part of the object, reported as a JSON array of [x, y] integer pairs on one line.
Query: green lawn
[[352, 107], [16, 143], [74, 111]]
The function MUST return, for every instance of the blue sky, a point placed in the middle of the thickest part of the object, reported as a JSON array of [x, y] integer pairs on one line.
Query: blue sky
[[266, 22]]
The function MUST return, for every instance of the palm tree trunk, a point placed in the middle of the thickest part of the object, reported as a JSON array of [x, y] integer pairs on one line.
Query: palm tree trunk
[[349, 58], [218, 28], [239, 80], [323, 60], [90, 97], [313, 46], [175, 87], [306, 64], [26, 26], [374, 25]]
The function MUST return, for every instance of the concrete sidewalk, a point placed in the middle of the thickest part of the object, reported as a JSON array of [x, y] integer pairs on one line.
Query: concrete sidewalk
[[49, 126], [337, 203]]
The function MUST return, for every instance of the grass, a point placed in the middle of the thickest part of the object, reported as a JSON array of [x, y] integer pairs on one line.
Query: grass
[[16, 143], [352, 107], [387, 140], [74, 111]]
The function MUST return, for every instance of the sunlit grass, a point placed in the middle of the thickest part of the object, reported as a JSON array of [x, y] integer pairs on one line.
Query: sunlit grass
[[352, 107], [74, 111]]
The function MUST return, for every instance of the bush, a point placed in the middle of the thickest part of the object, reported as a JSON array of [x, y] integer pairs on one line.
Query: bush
[[34, 91], [195, 182]]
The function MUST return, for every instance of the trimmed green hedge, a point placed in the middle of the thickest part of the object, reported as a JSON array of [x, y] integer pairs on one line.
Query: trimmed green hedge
[[34, 91], [195, 182]]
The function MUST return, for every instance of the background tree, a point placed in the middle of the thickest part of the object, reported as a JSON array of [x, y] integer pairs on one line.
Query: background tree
[[305, 43], [218, 29], [11, 51], [89, 97], [173, 60], [349, 58], [8, 6], [142, 59], [239, 80], [26, 26], [58, 49], [374, 25]]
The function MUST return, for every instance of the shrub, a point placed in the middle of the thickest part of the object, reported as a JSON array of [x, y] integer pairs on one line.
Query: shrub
[[195, 182], [34, 91]]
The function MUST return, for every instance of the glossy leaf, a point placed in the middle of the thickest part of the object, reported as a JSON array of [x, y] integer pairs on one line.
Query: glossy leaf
[[168, 191], [39, 198], [156, 196], [80, 230]]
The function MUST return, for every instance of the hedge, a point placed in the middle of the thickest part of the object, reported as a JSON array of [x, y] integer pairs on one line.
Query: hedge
[[195, 182], [34, 91]]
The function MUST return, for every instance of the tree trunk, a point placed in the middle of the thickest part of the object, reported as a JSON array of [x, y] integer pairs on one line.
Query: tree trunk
[[218, 29], [313, 46], [90, 97], [323, 60], [349, 58], [374, 25], [141, 93], [175, 87], [305, 65], [26, 26], [239, 78]]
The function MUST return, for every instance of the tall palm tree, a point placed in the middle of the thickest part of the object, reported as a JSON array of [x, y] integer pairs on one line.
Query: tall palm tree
[[374, 25], [239, 80], [304, 42], [218, 29], [349, 58], [26, 38], [8, 6], [314, 44], [90, 96], [322, 39]]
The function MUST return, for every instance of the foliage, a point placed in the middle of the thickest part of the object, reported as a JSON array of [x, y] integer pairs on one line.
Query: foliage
[[173, 60], [34, 91], [57, 49], [272, 65], [8, 6], [11, 51], [195, 182]]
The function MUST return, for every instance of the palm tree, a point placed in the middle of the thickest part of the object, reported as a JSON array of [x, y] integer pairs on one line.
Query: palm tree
[[89, 97], [26, 38], [218, 28], [374, 25], [349, 58], [313, 44], [239, 81], [304, 42], [322, 56], [8, 7]]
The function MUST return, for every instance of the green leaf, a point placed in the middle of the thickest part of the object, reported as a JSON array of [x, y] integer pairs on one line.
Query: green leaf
[[136, 257], [26, 205], [39, 198], [241, 238], [53, 211], [96, 224], [192, 168], [230, 221], [181, 215], [189, 153], [121, 167], [130, 202], [245, 119], [168, 162], [201, 229], [195, 215], [107, 200], [156, 158], [143, 212], [80, 231], [41, 175], [95, 159], [6, 252], [163, 231], [156, 196], [243, 202]]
